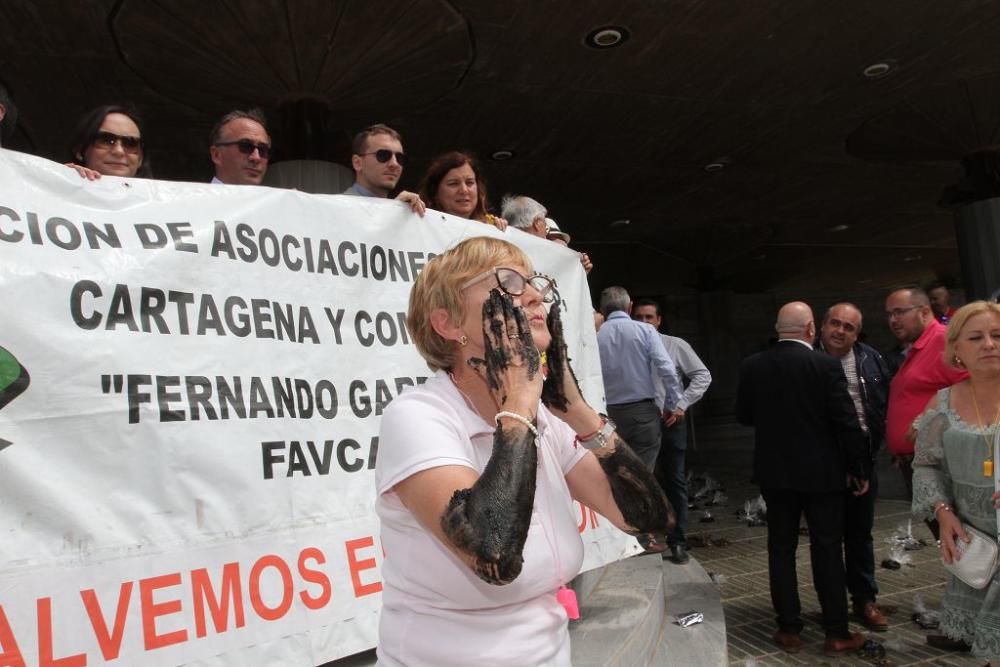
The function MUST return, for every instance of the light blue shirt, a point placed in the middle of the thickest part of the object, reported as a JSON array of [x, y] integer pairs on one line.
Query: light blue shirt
[[632, 356], [359, 190]]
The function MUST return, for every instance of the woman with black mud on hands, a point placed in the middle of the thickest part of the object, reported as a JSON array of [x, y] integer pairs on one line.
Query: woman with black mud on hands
[[478, 466]]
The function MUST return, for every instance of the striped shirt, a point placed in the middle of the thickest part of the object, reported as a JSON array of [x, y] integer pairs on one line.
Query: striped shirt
[[850, 364]]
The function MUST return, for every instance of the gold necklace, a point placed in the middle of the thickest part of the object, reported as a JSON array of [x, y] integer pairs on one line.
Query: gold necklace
[[988, 461]]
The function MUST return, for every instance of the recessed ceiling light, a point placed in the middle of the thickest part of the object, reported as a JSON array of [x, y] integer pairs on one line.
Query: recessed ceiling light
[[879, 70], [913, 258], [620, 223], [839, 228], [607, 37], [718, 164], [760, 257], [502, 155], [864, 281]]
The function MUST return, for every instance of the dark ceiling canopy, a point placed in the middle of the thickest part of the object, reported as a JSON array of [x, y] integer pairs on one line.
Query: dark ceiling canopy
[[772, 94]]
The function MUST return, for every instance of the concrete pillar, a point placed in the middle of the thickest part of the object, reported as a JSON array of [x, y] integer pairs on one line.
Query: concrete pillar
[[977, 228], [975, 202]]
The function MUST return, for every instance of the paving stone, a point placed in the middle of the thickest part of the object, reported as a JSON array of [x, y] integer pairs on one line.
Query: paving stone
[[745, 592]]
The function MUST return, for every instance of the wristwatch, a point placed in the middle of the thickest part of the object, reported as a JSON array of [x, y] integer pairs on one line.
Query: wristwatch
[[600, 439]]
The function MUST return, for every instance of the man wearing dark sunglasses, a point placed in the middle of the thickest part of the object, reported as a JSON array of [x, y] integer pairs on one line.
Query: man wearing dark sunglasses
[[240, 148], [378, 161]]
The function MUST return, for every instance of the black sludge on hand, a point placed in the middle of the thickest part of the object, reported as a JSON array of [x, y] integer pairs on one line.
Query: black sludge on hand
[[642, 502], [527, 342], [554, 388], [496, 355]]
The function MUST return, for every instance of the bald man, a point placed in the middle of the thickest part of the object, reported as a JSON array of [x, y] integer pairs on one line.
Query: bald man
[[809, 447]]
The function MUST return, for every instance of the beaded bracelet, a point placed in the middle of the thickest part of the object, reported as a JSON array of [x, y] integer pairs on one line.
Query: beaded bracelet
[[521, 418], [943, 506]]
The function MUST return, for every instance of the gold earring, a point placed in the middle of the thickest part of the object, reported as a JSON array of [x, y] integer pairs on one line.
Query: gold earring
[[463, 341]]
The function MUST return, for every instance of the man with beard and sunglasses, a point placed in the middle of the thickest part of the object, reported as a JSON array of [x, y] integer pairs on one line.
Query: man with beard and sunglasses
[[241, 148], [378, 160]]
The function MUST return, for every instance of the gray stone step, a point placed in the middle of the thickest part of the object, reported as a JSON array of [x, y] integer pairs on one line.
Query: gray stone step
[[689, 588], [627, 611], [622, 616]]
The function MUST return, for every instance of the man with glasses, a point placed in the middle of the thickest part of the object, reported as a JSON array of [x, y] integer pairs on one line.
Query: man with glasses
[[240, 148], [920, 376], [378, 160], [868, 386], [633, 360]]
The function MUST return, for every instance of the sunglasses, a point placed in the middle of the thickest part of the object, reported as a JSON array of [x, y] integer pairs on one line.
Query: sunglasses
[[107, 140], [514, 284], [383, 155], [247, 147]]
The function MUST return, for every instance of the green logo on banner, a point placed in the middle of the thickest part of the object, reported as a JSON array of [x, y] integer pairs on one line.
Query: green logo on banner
[[14, 380]]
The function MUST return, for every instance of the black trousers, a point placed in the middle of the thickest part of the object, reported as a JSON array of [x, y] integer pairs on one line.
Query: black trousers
[[670, 473], [638, 424], [859, 547], [825, 517]]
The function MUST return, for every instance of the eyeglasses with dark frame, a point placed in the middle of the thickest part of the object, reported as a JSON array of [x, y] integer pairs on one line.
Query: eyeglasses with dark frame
[[899, 312], [247, 147], [107, 141], [511, 282], [383, 155]]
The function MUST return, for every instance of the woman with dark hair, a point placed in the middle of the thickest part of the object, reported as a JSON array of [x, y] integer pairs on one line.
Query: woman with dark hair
[[454, 184], [109, 141]]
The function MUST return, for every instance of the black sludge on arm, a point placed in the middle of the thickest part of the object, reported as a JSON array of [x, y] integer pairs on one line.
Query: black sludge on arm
[[490, 520], [636, 492]]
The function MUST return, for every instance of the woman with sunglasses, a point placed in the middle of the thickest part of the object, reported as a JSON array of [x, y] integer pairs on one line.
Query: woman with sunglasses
[[109, 142], [453, 183], [477, 467]]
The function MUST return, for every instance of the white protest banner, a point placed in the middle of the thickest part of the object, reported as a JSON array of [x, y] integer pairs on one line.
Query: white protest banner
[[191, 380]]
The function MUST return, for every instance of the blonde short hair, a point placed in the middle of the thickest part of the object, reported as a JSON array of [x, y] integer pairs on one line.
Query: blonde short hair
[[957, 322], [439, 285]]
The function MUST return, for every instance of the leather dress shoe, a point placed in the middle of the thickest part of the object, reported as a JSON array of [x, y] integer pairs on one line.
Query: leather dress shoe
[[834, 646], [679, 554], [650, 545], [871, 616], [789, 641], [946, 643]]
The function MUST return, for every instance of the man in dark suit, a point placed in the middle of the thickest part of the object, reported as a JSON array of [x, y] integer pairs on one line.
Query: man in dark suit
[[808, 448]]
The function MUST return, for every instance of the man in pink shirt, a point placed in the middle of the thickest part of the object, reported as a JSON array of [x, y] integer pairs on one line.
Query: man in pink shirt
[[922, 373]]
